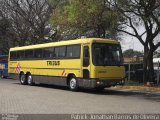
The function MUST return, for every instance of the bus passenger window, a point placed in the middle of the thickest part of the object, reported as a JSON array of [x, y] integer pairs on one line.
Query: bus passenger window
[[38, 53], [56, 52], [13, 55], [29, 54], [69, 52], [76, 51], [73, 51], [20, 54], [62, 51], [48, 52]]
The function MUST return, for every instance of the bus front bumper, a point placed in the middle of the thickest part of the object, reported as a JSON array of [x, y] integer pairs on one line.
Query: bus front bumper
[[93, 83]]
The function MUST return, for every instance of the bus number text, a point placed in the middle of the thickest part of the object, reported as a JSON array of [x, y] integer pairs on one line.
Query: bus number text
[[53, 63]]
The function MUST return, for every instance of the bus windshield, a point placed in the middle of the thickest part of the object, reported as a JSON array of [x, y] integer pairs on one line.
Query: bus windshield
[[106, 54]]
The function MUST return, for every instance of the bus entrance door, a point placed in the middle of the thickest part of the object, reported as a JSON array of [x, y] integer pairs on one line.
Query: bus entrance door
[[86, 62]]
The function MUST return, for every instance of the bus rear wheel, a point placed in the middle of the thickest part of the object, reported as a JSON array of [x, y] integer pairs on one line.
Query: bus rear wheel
[[73, 85], [30, 80], [22, 79]]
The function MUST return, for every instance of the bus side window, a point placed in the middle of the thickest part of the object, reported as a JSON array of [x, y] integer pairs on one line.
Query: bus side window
[[29, 54], [20, 54], [13, 55], [69, 53], [38, 53], [60, 52], [48, 53], [73, 51], [86, 56], [76, 51], [56, 52]]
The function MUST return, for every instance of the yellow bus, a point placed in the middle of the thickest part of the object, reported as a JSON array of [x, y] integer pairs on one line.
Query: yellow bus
[[88, 63]]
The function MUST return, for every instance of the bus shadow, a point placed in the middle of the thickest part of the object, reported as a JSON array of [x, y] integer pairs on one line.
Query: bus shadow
[[127, 93], [52, 86], [108, 92], [46, 86]]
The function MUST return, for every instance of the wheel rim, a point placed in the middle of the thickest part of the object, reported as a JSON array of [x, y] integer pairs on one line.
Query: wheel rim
[[73, 83], [22, 79], [29, 80]]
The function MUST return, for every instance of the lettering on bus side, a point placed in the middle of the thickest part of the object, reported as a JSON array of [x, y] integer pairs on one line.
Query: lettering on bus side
[[53, 63]]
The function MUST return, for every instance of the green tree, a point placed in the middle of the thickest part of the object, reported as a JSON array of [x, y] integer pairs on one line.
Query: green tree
[[7, 36], [131, 53], [144, 13], [91, 18], [28, 21]]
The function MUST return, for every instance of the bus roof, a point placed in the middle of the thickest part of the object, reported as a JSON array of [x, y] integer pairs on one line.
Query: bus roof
[[67, 42]]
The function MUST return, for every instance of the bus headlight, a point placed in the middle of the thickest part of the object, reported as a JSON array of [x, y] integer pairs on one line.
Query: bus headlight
[[99, 83]]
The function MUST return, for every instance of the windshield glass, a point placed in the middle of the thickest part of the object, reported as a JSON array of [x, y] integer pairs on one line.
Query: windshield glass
[[106, 54]]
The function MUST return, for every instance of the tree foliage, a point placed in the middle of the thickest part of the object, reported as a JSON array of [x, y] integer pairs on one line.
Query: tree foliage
[[7, 36], [91, 18], [26, 21], [144, 13], [132, 53]]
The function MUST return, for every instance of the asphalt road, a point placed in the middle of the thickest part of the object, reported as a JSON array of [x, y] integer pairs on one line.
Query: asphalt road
[[47, 99]]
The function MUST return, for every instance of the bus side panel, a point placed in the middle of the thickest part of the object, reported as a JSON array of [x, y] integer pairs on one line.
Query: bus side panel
[[47, 71], [50, 80]]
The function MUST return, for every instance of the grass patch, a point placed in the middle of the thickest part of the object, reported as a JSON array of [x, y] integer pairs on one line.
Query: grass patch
[[133, 85]]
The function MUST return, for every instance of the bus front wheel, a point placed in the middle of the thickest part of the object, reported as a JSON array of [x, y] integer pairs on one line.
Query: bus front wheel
[[30, 80], [73, 85], [23, 79]]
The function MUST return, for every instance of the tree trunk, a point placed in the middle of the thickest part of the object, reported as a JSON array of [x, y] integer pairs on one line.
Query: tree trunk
[[145, 64], [150, 67]]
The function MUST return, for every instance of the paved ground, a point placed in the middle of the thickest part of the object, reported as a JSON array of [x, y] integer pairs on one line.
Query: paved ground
[[43, 99]]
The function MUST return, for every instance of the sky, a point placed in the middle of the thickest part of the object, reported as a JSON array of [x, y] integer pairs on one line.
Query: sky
[[130, 42]]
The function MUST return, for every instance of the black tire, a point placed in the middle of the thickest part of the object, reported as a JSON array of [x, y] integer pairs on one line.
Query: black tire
[[30, 80], [73, 84], [22, 79]]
